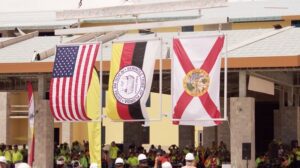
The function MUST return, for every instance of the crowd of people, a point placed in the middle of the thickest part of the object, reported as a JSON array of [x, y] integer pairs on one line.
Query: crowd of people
[[203, 157], [76, 155], [12, 156], [280, 155]]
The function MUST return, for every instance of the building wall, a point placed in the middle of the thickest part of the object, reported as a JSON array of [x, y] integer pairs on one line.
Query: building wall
[[18, 127], [80, 132], [162, 132], [259, 25], [18, 131]]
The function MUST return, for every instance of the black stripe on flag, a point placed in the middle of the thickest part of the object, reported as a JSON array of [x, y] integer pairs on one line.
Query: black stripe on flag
[[137, 60]]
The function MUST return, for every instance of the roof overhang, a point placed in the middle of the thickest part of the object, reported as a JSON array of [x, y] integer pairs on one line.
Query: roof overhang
[[233, 63]]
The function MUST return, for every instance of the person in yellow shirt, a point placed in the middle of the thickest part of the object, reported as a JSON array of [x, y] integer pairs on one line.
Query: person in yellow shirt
[[132, 160], [16, 155], [297, 155], [113, 154], [7, 155]]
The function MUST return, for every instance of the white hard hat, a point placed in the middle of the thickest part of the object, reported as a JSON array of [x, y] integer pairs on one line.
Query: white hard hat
[[189, 156], [22, 165], [60, 160], [93, 165], [2, 159], [119, 161], [142, 157], [166, 165]]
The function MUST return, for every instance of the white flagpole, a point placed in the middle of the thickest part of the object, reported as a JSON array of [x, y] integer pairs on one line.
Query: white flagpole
[[160, 77], [101, 98], [225, 78]]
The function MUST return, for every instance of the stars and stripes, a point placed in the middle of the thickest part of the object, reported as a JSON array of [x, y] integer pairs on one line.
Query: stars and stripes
[[71, 77]]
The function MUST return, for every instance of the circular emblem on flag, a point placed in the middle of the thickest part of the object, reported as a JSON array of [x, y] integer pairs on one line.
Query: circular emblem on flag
[[196, 82], [129, 84]]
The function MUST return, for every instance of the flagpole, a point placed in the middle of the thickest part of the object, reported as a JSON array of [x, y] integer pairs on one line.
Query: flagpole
[[172, 80], [136, 40], [160, 78], [225, 78], [101, 108]]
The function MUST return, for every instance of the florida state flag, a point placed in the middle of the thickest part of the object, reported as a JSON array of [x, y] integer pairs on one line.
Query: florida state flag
[[196, 80]]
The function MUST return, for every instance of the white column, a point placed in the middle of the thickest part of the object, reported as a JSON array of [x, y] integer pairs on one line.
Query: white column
[[66, 128], [242, 124], [44, 130], [4, 117], [242, 84], [290, 96]]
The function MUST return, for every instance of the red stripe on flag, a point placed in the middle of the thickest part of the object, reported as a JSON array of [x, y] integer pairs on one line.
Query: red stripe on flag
[[181, 105], [63, 104], [94, 58], [183, 58], [126, 59], [31, 152], [127, 54], [82, 98], [57, 100], [210, 107], [77, 104], [213, 55], [51, 101], [69, 103]]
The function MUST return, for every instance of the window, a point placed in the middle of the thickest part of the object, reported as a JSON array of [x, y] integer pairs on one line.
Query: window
[[187, 28], [145, 31], [46, 34], [295, 23]]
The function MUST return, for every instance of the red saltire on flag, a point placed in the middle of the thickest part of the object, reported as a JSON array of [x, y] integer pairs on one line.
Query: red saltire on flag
[[31, 122], [196, 80], [71, 78]]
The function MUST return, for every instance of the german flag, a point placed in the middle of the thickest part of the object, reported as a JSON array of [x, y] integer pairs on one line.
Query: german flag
[[130, 79]]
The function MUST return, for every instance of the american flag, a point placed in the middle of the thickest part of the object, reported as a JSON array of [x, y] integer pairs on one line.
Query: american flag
[[71, 77]]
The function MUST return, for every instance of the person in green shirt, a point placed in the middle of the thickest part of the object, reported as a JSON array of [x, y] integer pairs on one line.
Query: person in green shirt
[[113, 153], [83, 160], [132, 160], [260, 160], [16, 155], [7, 154]]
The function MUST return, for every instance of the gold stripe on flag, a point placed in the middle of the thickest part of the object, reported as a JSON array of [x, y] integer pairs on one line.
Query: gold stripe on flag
[[93, 112], [112, 111]]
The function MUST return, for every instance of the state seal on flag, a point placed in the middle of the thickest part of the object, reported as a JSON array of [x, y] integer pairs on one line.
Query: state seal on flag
[[129, 84], [196, 82]]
